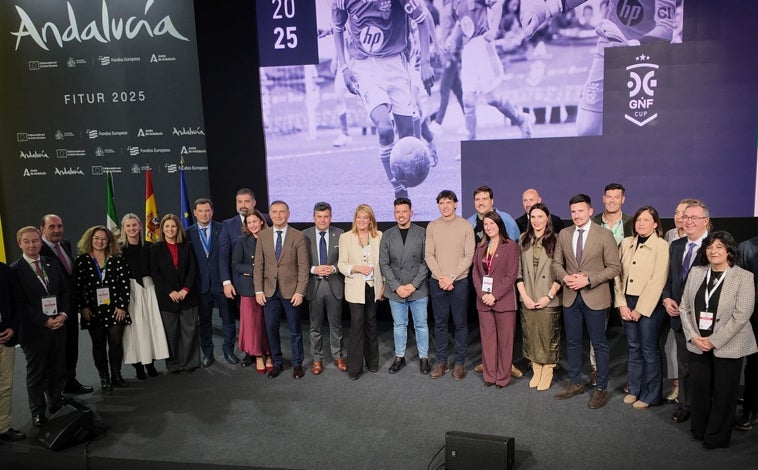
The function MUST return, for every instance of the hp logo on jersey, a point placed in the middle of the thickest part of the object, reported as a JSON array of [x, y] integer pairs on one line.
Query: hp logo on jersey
[[629, 12], [642, 84], [372, 39]]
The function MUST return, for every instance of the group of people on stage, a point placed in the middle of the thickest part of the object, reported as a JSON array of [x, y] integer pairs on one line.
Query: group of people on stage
[[143, 302]]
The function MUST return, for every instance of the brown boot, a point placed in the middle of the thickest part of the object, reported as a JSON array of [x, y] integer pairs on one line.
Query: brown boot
[[547, 377], [537, 368]]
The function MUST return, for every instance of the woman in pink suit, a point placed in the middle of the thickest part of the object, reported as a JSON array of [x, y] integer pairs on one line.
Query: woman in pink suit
[[496, 266]]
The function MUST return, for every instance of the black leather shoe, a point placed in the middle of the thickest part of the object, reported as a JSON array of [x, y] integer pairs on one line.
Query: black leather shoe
[[746, 422], [274, 373], [297, 372], [11, 435], [119, 382], [73, 387], [231, 358], [680, 415], [247, 361], [354, 376], [38, 420], [151, 371], [140, 369], [397, 364], [105, 383], [424, 366], [208, 360]]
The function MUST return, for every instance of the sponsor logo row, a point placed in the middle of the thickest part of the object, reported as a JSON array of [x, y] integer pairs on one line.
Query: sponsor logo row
[[99, 61], [99, 151], [96, 170], [92, 134]]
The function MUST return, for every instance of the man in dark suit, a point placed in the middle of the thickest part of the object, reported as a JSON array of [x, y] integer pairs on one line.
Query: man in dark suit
[[55, 247], [205, 236], [42, 304], [683, 254], [8, 340], [231, 231], [585, 260], [280, 277], [528, 199], [326, 286], [406, 276]]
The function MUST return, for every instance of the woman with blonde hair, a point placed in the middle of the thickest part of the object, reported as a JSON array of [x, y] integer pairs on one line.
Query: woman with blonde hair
[[145, 338], [102, 289], [364, 286]]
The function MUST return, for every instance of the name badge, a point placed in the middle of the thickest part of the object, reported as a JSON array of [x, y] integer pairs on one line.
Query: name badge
[[487, 284], [706, 321], [50, 306], [103, 296]]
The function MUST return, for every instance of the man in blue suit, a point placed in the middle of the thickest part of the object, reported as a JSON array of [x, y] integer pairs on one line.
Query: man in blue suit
[[205, 236], [232, 230]]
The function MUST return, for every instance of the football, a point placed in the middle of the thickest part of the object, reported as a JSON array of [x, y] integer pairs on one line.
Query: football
[[409, 161]]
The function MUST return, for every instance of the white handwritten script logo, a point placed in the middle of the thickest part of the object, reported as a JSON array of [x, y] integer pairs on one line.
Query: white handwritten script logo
[[107, 30]]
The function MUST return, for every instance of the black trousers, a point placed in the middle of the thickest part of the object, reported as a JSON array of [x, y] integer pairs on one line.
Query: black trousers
[[45, 371], [108, 348], [72, 345], [751, 376], [714, 383], [363, 340]]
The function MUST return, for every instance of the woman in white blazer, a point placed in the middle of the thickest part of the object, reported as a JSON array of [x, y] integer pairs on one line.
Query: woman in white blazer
[[359, 263], [716, 306], [644, 268]]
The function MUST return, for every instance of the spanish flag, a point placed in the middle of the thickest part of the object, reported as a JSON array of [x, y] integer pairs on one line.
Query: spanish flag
[[2, 243], [152, 220]]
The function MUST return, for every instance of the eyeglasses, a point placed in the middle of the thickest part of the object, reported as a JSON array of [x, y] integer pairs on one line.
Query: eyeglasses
[[692, 218]]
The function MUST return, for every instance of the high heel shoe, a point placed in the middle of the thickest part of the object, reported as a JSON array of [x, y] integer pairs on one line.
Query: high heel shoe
[[537, 368], [260, 367], [547, 377]]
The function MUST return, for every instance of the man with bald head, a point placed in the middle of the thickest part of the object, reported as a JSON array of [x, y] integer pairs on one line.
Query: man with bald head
[[56, 248], [528, 199]]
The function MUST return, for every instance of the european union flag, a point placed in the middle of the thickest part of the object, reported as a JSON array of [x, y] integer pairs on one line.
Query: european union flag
[[186, 214]]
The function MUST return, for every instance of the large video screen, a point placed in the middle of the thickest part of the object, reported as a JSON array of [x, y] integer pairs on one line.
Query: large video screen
[[564, 102]]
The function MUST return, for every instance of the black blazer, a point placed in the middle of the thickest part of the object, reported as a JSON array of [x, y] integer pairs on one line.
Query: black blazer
[[674, 287], [168, 278], [70, 278], [28, 292], [243, 260], [8, 318], [87, 283]]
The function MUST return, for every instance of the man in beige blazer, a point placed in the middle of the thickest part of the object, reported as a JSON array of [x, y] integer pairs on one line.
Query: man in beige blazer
[[280, 277], [585, 260]]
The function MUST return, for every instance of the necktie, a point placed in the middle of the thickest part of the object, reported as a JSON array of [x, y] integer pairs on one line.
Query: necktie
[[40, 273], [579, 246], [62, 256], [686, 264], [322, 249], [278, 246], [204, 239]]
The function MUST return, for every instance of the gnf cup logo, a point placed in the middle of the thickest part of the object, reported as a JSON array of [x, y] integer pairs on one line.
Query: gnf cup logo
[[642, 84]]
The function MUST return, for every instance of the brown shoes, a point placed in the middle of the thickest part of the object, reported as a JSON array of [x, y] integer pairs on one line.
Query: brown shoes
[[317, 368], [439, 370], [479, 369], [459, 372], [341, 364], [516, 372], [598, 400], [570, 391]]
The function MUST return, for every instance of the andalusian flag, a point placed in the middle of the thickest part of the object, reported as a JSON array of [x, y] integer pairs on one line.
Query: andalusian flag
[[111, 218], [186, 215], [2, 243], [152, 221]]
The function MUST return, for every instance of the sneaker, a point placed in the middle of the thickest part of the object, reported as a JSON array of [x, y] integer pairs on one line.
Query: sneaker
[[342, 140], [749, 418]]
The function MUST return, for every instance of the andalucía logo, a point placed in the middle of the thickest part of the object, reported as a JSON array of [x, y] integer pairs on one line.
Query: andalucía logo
[[642, 84]]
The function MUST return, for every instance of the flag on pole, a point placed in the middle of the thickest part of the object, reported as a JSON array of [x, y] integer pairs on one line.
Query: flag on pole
[[111, 218], [186, 215], [152, 221], [2, 243]]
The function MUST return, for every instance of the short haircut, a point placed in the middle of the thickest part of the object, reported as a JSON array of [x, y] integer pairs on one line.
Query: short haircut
[[26, 229], [447, 194], [580, 198], [484, 189], [45, 217], [201, 201], [654, 214], [403, 201], [724, 237], [614, 186], [322, 206], [701, 205], [279, 201], [245, 192]]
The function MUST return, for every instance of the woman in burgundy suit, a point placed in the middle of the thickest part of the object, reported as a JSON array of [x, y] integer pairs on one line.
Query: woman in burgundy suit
[[496, 263]]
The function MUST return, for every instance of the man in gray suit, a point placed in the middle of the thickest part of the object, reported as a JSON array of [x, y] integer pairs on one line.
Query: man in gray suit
[[401, 259], [326, 287], [585, 260]]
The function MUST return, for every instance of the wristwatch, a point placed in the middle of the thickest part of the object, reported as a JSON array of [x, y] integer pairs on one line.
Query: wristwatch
[[550, 296]]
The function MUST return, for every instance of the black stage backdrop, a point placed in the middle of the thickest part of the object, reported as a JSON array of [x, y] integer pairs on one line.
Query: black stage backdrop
[[89, 87]]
